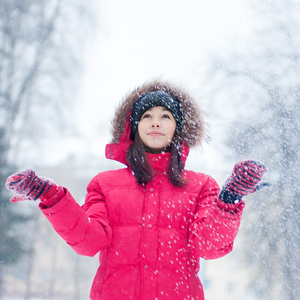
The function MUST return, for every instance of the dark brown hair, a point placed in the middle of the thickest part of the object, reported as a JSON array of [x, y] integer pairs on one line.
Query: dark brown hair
[[142, 171]]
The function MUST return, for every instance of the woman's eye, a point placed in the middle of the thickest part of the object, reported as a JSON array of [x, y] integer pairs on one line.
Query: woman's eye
[[166, 116], [146, 116]]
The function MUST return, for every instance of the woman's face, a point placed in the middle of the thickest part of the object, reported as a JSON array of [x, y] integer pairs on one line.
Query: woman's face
[[156, 128]]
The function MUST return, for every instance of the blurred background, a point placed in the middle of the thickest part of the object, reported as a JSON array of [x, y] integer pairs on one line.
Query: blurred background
[[64, 67]]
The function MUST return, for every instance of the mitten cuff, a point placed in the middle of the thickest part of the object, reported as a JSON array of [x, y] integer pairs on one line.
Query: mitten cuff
[[233, 207], [228, 197], [49, 202]]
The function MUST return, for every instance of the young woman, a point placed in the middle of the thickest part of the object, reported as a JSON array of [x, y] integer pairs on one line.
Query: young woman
[[153, 220]]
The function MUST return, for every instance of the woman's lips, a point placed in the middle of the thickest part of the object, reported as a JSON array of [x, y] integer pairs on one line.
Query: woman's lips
[[155, 133]]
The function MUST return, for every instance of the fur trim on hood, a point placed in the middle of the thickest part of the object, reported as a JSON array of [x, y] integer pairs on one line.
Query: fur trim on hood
[[193, 125]]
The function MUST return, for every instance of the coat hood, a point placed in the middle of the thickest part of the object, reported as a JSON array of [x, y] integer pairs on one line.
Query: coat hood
[[193, 124]]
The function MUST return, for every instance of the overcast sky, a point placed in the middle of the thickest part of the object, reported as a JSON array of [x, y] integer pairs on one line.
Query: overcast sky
[[137, 40]]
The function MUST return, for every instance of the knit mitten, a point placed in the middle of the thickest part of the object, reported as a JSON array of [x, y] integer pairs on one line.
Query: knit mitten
[[28, 186], [243, 181]]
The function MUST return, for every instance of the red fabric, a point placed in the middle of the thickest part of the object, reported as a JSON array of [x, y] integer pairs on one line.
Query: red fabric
[[151, 237], [118, 151], [54, 195]]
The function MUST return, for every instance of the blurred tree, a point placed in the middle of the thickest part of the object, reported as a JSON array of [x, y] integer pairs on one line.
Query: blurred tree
[[263, 83], [40, 42], [10, 243]]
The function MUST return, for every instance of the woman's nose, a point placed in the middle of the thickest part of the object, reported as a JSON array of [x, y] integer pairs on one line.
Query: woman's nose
[[155, 123]]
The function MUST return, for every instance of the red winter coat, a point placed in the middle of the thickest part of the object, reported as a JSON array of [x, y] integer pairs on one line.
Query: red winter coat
[[151, 237]]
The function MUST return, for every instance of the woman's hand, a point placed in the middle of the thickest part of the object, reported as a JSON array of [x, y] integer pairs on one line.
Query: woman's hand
[[244, 180], [28, 186]]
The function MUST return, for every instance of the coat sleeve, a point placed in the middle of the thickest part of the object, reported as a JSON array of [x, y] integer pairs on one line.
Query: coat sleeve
[[85, 228], [216, 224]]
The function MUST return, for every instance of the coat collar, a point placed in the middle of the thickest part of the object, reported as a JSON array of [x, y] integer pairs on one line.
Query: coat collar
[[159, 162]]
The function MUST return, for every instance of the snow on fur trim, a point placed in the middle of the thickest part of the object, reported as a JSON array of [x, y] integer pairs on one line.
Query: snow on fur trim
[[193, 128]]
